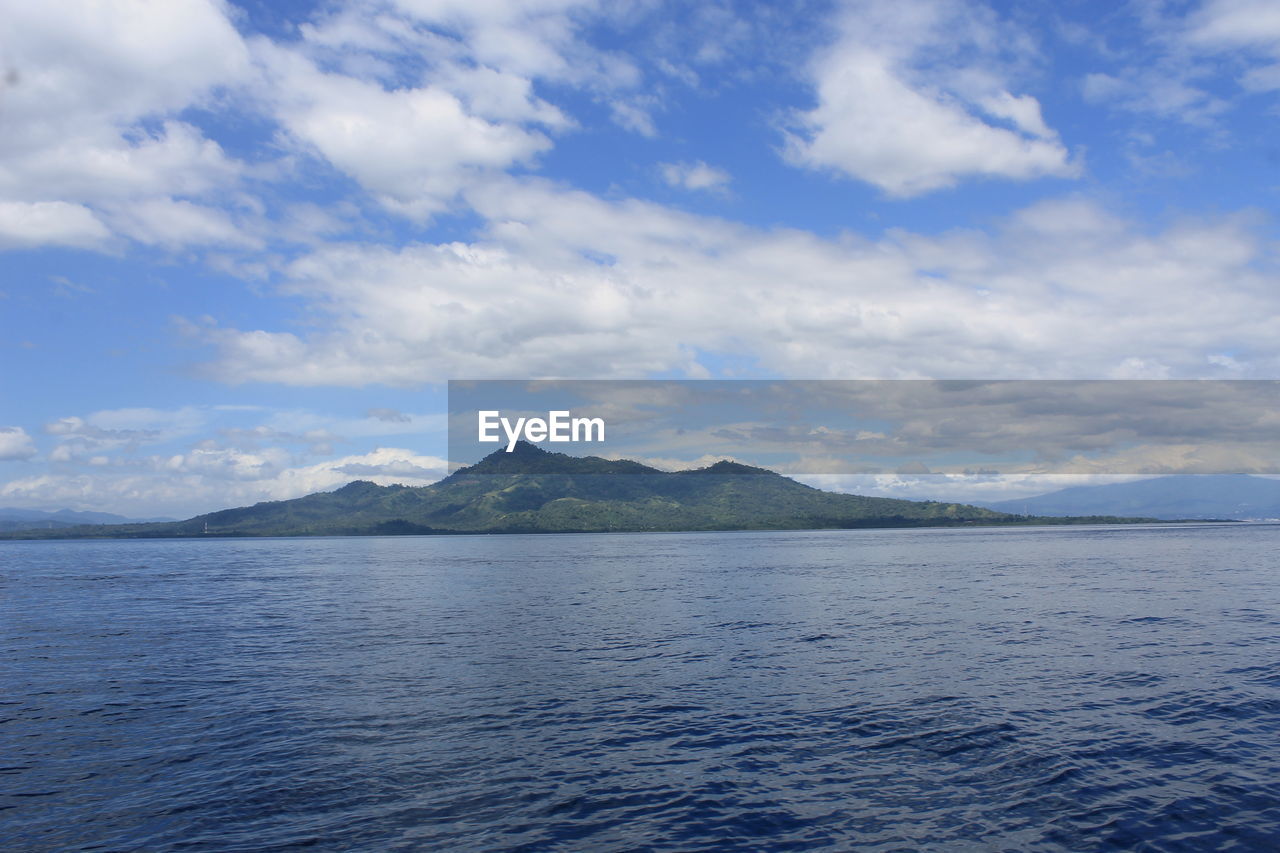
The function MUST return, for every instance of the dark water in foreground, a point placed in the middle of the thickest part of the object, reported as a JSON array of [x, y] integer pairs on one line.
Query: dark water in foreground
[[1000, 689]]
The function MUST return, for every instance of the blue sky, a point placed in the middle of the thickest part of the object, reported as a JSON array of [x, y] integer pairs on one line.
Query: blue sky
[[244, 245]]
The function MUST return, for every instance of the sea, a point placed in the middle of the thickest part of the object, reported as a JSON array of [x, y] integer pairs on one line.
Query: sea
[[1003, 689]]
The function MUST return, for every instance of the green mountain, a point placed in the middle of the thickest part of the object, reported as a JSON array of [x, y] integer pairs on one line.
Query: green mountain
[[533, 491]]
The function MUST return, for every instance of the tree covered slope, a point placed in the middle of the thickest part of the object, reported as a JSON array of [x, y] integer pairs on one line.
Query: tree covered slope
[[534, 491]]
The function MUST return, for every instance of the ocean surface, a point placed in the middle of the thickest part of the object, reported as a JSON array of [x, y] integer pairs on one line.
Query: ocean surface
[[983, 689]]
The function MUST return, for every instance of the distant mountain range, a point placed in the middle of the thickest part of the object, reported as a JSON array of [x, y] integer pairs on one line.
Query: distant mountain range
[[1233, 496], [12, 518], [533, 491]]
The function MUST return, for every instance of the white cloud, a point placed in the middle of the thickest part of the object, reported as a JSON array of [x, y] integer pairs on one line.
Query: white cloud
[[203, 480], [115, 430], [385, 466], [568, 285], [1159, 90], [1265, 79], [67, 452], [25, 225], [957, 487], [911, 100], [15, 444], [240, 437], [1240, 27], [176, 159], [413, 99], [413, 148], [1023, 111], [113, 60], [174, 223], [634, 114], [133, 421], [151, 461], [694, 176], [1175, 74], [419, 99], [529, 38], [1230, 23], [89, 116], [499, 95]]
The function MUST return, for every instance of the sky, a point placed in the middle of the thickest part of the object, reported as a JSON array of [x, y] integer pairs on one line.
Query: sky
[[243, 246]]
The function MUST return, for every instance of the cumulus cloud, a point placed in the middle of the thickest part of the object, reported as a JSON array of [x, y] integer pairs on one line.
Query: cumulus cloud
[[413, 148], [15, 444], [172, 159], [694, 176], [414, 100], [1235, 22], [912, 99], [175, 223], [498, 95], [418, 99], [568, 285], [25, 225], [115, 60], [90, 115]]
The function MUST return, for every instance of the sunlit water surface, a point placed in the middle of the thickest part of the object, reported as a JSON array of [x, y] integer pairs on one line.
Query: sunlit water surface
[[990, 689]]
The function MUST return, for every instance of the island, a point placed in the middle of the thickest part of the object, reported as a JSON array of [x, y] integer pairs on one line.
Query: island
[[531, 490]]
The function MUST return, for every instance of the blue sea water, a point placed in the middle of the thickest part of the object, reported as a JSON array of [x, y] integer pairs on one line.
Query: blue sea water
[[981, 689]]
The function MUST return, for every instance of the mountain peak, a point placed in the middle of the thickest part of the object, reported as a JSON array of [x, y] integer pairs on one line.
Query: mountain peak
[[523, 450], [526, 448], [356, 486], [527, 458], [725, 466]]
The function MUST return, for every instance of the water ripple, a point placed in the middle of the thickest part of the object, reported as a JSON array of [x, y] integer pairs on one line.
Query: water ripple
[[1051, 690]]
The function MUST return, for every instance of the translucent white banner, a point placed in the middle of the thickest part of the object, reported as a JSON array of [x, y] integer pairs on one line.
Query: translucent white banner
[[908, 427]]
